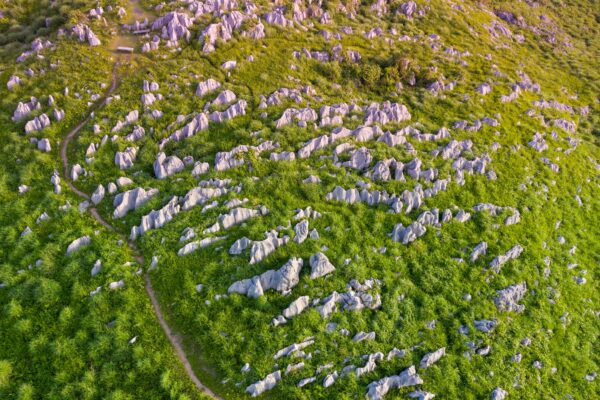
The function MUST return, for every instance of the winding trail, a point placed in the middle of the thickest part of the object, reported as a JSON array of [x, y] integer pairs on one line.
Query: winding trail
[[174, 339]]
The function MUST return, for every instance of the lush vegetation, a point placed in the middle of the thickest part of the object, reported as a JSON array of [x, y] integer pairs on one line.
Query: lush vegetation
[[58, 342]]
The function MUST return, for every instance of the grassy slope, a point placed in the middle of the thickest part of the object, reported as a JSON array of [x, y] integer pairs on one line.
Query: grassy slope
[[227, 333]]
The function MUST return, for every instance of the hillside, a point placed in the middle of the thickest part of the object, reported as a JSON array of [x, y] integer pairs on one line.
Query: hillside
[[299, 200]]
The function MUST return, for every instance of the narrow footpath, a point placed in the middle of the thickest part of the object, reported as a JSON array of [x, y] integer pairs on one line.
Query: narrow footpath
[[64, 150]]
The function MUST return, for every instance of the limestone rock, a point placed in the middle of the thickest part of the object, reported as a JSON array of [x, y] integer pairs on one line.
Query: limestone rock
[[166, 166], [13, 81], [282, 280], [44, 145], [156, 219], [37, 124], [116, 285], [361, 336], [508, 299], [320, 266], [227, 65], [233, 217], [239, 246], [301, 230], [225, 97], [513, 253], [77, 244], [201, 195], [378, 389], [408, 234], [85, 34], [174, 26], [199, 244], [206, 87], [478, 251], [485, 325], [431, 358], [261, 249], [125, 159], [98, 194], [131, 200], [296, 307], [498, 394]]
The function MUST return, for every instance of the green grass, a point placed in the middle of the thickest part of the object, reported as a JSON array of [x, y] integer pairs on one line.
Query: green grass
[[60, 343]]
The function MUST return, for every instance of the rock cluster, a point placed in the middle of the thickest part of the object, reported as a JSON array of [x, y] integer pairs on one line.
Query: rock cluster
[[156, 218], [378, 389], [37, 124], [513, 253], [282, 280], [166, 166], [174, 26], [355, 299], [131, 200], [85, 34], [508, 299], [233, 217], [267, 383], [124, 159], [230, 159]]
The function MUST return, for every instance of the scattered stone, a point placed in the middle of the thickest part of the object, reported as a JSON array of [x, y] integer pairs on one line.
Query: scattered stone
[[511, 254], [378, 389], [166, 166], [301, 231], [78, 243], [508, 299], [498, 394], [478, 251], [282, 280], [361, 336], [485, 325], [131, 200], [431, 358], [265, 384], [320, 266]]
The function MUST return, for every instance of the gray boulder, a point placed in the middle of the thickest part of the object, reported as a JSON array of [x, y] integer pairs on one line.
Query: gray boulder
[[498, 394], [513, 253], [166, 166], [320, 266], [265, 384], [261, 249], [44, 145], [125, 159], [378, 389], [281, 280], [431, 358], [508, 299], [301, 230], [98, 194], [206, 87], [78, 243], [156, 218], [131, 200], [478, 251], [296, 307]]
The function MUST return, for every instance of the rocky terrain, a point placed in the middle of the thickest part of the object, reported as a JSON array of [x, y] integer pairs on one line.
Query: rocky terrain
[[299, 199]]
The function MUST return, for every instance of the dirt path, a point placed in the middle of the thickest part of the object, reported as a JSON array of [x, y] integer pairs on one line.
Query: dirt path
[[64, 155], [175, 341]]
